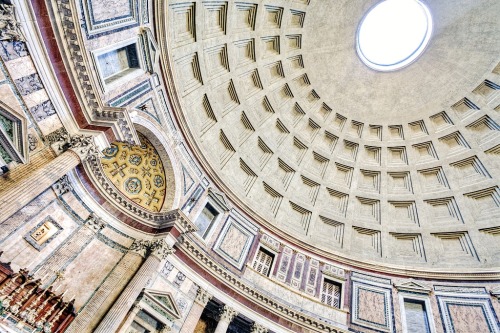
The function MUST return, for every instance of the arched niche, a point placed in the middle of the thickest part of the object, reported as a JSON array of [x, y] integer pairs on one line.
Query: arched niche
[[141, 173]]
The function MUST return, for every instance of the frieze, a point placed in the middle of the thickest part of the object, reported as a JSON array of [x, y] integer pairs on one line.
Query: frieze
[[460, 289], [334, 271], [250, 292], [271, 242]]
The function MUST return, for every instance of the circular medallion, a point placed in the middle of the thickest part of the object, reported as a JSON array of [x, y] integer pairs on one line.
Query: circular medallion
[[158, 181], [111, 151], [135, 159], [133, 185]]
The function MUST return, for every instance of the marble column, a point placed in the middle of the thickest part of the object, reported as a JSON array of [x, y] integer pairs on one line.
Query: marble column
[[257, 328], [130, 318], [227, 315], [154, 252], [33, 181], [201, 300]]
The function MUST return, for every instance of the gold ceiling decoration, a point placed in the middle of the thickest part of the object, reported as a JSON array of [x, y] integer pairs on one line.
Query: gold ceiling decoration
[[137, 171]]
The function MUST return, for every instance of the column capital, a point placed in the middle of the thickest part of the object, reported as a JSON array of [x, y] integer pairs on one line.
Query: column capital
[[62, 186], [83, 145], [94, 223], [258, 328], [158, 248], [10, 27], [227, 314], [202, 296]]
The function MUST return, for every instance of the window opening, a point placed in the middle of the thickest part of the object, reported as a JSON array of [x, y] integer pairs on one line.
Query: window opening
[[206, 219], [416, 316], [331, 293], [117, 63], [263, 262]]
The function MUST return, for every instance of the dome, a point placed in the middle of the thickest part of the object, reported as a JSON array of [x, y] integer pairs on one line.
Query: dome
[[260, 166]]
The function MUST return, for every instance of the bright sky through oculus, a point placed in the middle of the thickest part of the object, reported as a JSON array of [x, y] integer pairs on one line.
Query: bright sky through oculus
[[393, 34]]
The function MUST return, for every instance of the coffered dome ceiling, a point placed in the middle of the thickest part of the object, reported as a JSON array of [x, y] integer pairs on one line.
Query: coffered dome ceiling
[[399, 168]]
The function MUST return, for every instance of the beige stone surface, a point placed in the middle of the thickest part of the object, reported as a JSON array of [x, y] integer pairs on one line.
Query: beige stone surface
[[89, 270]]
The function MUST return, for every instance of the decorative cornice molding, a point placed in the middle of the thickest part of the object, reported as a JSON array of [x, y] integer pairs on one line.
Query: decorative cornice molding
[[77, 62], [10, 28], [260, 298]]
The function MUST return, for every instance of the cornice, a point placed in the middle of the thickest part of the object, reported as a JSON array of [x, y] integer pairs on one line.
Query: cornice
[[95, 116]]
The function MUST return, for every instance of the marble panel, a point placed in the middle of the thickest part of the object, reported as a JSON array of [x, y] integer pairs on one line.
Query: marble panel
[[13, 50], [22, 253], [372, 306], [234, 242], [467, 314], [36, 98], [42, 110], [107, 15], [29, 84], [21, 67]]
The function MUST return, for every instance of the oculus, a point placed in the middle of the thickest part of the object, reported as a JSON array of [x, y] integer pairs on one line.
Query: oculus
[[393, 34]]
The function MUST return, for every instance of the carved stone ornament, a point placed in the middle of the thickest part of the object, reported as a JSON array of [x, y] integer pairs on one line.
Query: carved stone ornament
[[10, 29], [158, 248], [258, 328], [227, 314], [81, 144], [202, 296], [165, 329], [95, 223], [62, 186]]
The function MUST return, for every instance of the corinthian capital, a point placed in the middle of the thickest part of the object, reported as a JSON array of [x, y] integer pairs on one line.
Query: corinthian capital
[[81, 144], [227, 314], [158, 248], [202, 296], [257, 328], [10, 29]]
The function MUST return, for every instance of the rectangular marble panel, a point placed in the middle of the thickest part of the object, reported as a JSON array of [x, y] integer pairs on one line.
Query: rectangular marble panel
[[372, 306], [234, 242], [467, 314]]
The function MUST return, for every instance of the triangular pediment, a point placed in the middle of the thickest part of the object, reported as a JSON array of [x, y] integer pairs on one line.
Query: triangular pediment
[[413, 287], [162, 304], [220, 198]]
